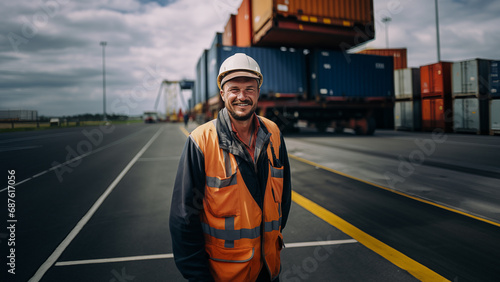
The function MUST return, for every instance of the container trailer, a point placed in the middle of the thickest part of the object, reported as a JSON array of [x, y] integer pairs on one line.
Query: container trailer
[[322, 88]]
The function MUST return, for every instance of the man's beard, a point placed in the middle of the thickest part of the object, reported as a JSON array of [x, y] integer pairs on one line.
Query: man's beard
[[245, 117]]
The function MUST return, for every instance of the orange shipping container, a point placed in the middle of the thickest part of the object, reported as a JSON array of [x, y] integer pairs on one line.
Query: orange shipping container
[[244, 24], [399, 55], [435, 80], [437, 113], [229, 35], [338, 24]]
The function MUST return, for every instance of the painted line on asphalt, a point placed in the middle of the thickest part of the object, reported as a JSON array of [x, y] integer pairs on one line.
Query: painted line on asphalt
[[320, 243], [79, 226], [76, 159], [168, 256], [396, 192], [416, 269], [110, 260]]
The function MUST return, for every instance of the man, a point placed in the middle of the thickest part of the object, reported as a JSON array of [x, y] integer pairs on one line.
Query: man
[[232, 192]]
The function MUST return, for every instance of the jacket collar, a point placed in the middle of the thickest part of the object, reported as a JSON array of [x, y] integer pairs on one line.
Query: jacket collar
[[228, 141]]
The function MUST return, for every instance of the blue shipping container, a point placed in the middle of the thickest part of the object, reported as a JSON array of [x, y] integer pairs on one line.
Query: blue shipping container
[[494, 79], [338, 74], [284, 69], [200, 94]]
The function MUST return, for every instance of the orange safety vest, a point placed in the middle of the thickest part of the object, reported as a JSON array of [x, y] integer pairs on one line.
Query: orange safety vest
[[232, 222]]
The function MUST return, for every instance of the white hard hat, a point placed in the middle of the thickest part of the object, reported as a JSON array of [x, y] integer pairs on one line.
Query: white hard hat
[[239, 65]]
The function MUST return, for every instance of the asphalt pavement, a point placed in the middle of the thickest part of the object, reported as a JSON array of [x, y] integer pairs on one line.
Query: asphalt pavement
[[92, 204]]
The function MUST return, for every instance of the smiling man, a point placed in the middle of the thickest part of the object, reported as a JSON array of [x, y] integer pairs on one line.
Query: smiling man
[[232, 192]]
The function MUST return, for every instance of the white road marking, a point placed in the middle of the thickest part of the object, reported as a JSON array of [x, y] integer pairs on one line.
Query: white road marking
[[319, 243], [109, 260], [65, 243], [168, 256], [76, 158]]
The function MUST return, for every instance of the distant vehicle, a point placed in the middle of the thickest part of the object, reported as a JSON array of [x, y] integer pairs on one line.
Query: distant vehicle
[[150, 117], [54, 122]]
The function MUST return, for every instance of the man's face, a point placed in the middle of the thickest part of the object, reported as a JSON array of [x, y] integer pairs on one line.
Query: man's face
[[240, 96]]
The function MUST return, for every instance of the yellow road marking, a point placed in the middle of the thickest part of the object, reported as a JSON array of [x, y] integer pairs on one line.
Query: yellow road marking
[[395, 191], [416, 269], [184, 130]]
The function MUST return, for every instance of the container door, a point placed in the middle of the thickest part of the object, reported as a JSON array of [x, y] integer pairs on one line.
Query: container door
[[472, 76], [426, 113], [437, 78], [495, 115], [407, 83], [398, 118], [425, 81], [472, 110], [438, 114], [408, 114], [458, 114]]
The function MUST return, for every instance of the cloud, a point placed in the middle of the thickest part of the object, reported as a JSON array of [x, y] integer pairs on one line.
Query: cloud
[[51, 60]]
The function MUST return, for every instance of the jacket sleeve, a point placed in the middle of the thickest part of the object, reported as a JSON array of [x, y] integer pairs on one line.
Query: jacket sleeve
[[286, 200], [186, 231]]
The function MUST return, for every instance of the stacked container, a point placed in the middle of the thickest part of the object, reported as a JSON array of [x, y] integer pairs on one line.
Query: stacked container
[[335, 24], [341, 76], [471, 96], [284, 70], [399, 55], [494, 85], [408, 106], [435, 82]]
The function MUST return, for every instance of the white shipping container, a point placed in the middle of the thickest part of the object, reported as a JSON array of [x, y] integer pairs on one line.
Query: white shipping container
[[408, 115], [470, 78], [407, 83]]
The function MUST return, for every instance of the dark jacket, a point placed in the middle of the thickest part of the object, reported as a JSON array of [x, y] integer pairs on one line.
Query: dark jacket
[[187, 200]]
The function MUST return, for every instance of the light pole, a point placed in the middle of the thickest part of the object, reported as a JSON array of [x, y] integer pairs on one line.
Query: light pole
[[386, 22], [103, 44], [437, 32]]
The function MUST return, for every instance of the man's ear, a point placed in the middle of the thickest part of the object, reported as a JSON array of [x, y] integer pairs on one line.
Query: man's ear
[[222, 95]]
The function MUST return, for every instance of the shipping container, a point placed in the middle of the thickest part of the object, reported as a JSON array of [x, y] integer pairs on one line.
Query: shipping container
[[341, 75], [408, 115], [20, 115], [435, 80], [495, 116], [471, 78], [337, 24], [244, 24], [200, 93], [229, 35], [494, 79], [471, 115], [284, 69], [437, 113], [399, 55], [407, 83]]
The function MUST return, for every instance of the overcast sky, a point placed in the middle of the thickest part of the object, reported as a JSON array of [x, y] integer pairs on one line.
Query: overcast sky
[[51, 60]]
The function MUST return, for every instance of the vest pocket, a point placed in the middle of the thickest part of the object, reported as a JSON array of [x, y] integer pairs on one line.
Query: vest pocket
[[221, 196], [230, 264], [277, 183]]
